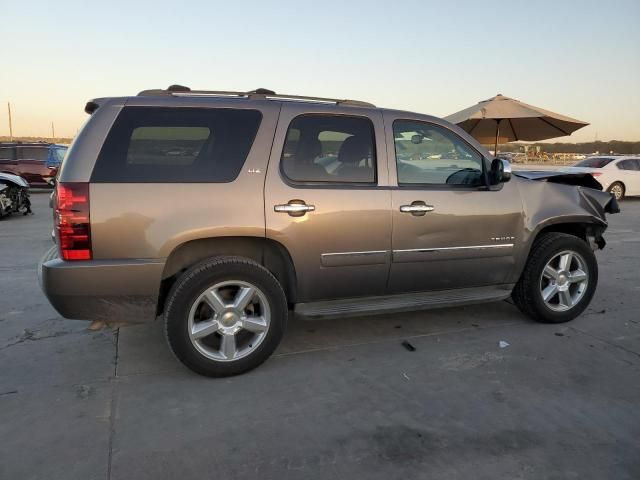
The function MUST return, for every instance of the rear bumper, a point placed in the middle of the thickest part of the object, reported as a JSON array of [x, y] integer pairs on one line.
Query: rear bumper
[[109, 290]]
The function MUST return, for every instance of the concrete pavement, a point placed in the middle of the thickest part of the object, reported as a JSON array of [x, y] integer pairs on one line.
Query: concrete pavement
[[342, 399]]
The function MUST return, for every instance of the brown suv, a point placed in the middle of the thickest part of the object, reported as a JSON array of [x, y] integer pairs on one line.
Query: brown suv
[[221, 211]]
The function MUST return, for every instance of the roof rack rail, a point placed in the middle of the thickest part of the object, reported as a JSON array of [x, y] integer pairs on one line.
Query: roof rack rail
[[258, 94]]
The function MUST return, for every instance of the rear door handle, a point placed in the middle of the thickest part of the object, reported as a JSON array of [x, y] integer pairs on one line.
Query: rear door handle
[[295, 208], [417, 208]]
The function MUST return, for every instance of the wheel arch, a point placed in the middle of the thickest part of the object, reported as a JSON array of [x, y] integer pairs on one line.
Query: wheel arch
[[587, 228], [267, 252], [624, 187], [577, 229]]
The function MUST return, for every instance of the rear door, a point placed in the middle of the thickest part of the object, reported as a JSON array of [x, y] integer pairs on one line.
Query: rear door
[[449, 230], [327, 199]]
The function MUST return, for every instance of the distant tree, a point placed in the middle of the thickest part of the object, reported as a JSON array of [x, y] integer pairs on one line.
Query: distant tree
[[615, 146]]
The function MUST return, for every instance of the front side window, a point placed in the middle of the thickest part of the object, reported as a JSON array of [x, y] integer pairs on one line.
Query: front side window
[[173, 145], [329, 149], [428, 154]]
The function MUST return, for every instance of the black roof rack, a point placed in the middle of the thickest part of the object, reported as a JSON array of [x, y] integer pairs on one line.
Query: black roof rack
[[260, 93]]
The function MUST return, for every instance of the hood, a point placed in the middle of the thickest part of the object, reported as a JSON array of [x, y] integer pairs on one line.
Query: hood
[[15, 179], [579, 178], [589, 188]]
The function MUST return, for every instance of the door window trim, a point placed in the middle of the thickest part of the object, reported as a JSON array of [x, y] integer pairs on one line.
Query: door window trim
[[329, 185], [439, 186]]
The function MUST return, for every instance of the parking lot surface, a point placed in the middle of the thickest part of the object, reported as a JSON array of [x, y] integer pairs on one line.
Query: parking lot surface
[[486, 393]]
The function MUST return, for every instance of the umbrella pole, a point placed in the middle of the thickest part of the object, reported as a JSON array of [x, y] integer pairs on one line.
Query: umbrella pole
[[495, 149]]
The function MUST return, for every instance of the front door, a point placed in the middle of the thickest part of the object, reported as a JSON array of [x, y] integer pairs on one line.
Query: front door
[[327, 200], [449, 230]]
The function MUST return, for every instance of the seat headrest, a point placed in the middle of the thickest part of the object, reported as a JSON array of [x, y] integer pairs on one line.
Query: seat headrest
[[353, 150], [309, 150]]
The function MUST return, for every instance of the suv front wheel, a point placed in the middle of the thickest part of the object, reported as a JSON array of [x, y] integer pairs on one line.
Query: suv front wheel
[[559, 279], [225, 316]]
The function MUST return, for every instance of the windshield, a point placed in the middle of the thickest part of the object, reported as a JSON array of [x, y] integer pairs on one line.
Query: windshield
[[56, 155], [594, 162]]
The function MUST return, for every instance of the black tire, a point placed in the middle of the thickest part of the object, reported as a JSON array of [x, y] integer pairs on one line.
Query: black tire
[[197, 279], [611, 188], [527, 293]]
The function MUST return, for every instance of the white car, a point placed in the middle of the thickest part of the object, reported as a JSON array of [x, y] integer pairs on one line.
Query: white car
[[619, 175]]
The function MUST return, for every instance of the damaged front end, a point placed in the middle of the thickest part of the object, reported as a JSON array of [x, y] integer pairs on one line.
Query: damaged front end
[[14, 195], [600, 203], [574, 200]]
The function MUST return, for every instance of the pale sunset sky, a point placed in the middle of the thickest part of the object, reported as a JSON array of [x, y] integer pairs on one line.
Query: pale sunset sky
[[577, 58]]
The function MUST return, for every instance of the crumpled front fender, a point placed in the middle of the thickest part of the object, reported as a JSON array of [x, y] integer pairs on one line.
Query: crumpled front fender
[[601, 202], [556, 197], [563, 207]]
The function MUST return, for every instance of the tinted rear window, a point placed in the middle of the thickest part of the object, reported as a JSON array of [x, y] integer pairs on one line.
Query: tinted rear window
[[173, 145], [594, 162]]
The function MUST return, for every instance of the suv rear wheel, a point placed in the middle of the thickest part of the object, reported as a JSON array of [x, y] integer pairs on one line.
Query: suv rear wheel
[[559, 279], [225, 316]]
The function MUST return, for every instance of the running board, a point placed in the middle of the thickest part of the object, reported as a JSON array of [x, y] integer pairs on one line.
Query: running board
[[402, 302]]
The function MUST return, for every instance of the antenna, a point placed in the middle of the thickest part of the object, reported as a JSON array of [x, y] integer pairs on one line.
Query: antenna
[[10, 124]]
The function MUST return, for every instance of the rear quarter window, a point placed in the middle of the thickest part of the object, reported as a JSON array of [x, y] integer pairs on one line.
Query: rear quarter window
[[176, 145]]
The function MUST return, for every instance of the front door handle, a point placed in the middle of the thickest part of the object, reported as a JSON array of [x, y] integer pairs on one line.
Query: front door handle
[[295, 208], [417, 208]]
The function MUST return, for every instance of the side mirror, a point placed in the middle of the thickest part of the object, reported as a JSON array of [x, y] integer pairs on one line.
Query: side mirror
[[416, 139], [500, 171]]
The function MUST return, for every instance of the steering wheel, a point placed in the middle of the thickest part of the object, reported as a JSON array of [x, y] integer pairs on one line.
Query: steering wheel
[[465, 176]]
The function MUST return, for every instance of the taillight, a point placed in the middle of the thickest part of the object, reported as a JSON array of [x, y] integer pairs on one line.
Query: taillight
[[596, 174], [72, 221]]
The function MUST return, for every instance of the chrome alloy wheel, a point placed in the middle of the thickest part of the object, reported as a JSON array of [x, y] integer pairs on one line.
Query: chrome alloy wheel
[[564, 281], [617, 191], [229, 320]]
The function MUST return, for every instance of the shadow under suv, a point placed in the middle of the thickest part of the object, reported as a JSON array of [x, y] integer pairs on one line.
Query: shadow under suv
[[222, 211]]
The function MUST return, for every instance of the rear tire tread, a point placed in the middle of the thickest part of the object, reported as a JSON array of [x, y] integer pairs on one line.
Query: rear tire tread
[[181, 289]]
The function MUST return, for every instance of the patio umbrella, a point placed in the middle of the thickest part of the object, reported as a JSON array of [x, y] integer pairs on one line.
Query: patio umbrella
[[503, 119]]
